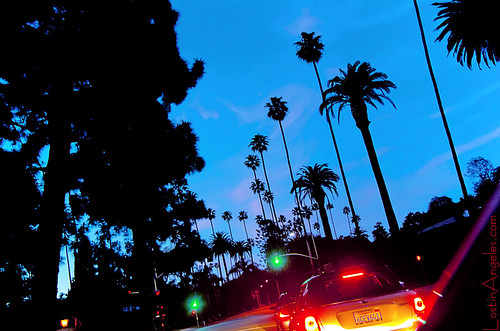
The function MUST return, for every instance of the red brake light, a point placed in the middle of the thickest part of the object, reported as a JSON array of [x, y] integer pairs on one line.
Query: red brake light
[[353, 275], [419, 304], [310, 323]]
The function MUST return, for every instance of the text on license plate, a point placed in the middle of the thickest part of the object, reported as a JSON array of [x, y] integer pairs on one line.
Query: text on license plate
[[367, 316]]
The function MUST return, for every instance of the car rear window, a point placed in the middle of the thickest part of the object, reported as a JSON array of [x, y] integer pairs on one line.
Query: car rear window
[[323, 291]]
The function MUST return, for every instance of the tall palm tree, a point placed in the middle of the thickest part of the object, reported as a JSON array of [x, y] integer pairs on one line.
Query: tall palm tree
[[257, 187], [329, 206], [252, 161], [277, 111], [317, 227], [440, 104], [473, 30], [259, 144], [221, 245], [346, 212], [211, 216], [309, 49], [311, 182], [356, 87], [268, 197], [243, 216], [227, 216]]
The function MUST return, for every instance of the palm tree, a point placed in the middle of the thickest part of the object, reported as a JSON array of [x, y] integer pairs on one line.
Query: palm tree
[[329, 206], [253, 162], [309, 49], [473, 29], [257, 187], [317, 227], [242, 216], [277, 111], [438, 98], [259, 144], [311, 183], [221, 245], [211, 216], [268, 197], [227, 216], [360, 85], [346, 212]]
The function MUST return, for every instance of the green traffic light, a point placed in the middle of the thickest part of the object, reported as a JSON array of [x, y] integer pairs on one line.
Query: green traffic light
[[277, 261], [194, 303]]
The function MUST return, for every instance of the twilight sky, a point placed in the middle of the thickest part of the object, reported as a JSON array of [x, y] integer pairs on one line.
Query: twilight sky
[[249, 50]]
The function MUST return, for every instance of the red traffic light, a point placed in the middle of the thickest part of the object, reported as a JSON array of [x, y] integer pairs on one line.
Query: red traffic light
[[193, 312], [157, 292]]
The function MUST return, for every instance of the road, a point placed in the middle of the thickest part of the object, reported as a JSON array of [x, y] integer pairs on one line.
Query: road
[[255, 320]]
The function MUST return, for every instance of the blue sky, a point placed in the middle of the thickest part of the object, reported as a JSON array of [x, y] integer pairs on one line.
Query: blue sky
[[250, 56], [249, 51]]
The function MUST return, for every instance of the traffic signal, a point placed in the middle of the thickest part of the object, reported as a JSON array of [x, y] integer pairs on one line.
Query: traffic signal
[[277, 261], [194, 303]]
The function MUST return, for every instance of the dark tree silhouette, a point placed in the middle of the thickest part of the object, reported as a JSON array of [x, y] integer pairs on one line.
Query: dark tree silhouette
[[227, 216], [379, 232], [310, 49], [211, 217], [252, 162], [277, 111], [356, 87], [440, 105], [311, 182], [472, 29], [221, 245], [259, 144], [91, 95]]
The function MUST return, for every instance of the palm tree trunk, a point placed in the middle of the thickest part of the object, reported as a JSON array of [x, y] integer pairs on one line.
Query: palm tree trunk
[[269, 188], [212, 225], [260, 197], [230, 232], [324, 219], [248, 240], [384, 194], [225, 267], [344, 179], [440, 105], [297, 200]]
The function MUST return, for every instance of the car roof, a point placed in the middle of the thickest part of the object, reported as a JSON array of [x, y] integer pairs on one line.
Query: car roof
[[346, 269]]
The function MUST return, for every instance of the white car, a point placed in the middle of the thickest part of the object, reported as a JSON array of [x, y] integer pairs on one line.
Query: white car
[[358, 297]]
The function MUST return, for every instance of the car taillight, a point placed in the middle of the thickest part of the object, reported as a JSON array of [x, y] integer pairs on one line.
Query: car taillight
[[311, 324], [419, 304], [353, 275]]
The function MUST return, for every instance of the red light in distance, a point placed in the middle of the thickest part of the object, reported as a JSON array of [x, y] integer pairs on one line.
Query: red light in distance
[[353, 275]]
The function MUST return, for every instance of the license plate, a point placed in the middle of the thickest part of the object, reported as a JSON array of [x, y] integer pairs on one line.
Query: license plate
[[367, 316]]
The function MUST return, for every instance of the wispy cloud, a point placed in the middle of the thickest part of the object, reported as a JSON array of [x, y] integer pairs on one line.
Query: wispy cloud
[[471, 100], [298, 98], [306, 22], [440, 159], [242, 191]]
